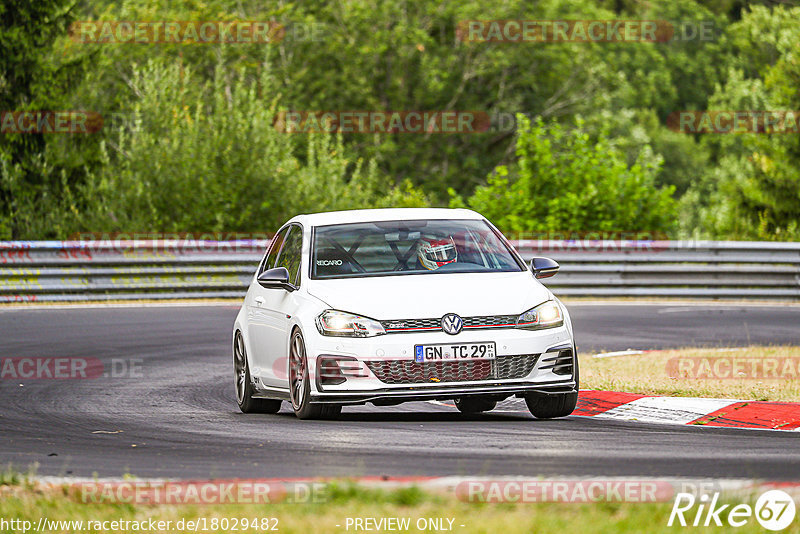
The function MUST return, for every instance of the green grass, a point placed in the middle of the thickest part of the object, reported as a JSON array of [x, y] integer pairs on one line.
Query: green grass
[[345, 500], [652, 373]]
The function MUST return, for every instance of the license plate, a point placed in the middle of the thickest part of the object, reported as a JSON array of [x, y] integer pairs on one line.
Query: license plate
[[442, 352]]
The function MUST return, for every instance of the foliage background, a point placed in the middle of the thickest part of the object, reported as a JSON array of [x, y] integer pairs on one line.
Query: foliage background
[[590, 150]]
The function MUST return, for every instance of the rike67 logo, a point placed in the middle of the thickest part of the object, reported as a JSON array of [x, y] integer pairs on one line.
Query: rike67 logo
[[774, 510]]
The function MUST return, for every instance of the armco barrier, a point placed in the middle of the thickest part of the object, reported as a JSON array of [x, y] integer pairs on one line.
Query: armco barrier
[[693, 269], [96, 270], [38, 271]]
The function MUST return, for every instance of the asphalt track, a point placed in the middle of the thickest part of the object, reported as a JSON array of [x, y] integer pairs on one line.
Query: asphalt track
[[180, 418]]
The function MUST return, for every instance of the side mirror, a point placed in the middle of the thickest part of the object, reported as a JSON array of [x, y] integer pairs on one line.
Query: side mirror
[[277, 278], [544, 267]]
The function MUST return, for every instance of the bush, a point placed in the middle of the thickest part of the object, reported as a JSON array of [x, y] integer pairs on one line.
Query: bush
[[207, 158], [564, 182]]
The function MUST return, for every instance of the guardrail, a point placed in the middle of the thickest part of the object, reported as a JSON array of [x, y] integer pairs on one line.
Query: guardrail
[[695, 269], [121, 270]]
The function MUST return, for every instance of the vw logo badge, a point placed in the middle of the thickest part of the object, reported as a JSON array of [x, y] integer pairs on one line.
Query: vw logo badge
[[452, 324]]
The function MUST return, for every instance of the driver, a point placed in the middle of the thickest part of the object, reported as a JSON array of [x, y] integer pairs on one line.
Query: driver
[[433, 252]]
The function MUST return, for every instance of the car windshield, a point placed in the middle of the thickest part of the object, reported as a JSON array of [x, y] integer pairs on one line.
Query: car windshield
[[409, 247]]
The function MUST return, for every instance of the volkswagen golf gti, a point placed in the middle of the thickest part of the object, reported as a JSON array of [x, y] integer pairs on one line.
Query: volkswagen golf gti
[[394, 305]]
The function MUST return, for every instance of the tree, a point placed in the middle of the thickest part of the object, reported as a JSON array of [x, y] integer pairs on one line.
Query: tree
[[30, 79], [753, 191], [206, 157]]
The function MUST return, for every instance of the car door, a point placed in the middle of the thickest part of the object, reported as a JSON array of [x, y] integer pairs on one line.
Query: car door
[[270, 309]]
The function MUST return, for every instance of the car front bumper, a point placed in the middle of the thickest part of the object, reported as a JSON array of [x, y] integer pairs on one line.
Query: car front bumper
[[536, 349]]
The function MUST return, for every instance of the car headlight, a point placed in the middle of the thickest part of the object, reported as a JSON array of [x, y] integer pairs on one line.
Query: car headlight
[[343, 324], [545, 315]]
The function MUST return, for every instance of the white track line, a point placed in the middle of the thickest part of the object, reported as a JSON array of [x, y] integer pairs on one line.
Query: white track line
[[618, 353]]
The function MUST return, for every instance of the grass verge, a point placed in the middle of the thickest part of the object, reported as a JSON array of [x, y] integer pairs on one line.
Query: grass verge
[[27, 503], [751, 373]]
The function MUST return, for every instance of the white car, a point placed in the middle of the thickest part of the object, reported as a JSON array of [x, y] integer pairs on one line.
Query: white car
[[394, 305]]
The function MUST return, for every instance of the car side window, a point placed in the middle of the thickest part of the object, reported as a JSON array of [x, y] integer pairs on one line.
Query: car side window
[[275, 248], [291, 253]]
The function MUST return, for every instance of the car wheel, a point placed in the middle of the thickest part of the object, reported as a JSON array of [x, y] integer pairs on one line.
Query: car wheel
[[300, 385], [551, 406], [474, 404], [543, 406], [244, 385]]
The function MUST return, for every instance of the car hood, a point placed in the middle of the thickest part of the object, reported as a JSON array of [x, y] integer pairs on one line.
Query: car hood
[[432, 295]]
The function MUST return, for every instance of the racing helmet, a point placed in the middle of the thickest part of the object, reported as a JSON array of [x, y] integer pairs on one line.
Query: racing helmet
[[433, 252]]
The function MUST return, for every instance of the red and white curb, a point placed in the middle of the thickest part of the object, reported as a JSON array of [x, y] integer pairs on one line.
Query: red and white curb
[[658, 409], [689, 410]]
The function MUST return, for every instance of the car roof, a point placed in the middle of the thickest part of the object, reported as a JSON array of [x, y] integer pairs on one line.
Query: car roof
[[386, 214]]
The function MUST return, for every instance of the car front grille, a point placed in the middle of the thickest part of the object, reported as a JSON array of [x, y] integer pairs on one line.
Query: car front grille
[[412, 325], [435, 325], [411, 372], [491, 321]]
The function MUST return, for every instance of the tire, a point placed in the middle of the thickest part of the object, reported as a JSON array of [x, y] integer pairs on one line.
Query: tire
[[551, 406], [300, 385], [544, 406], [244, 384], [472, 405]]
